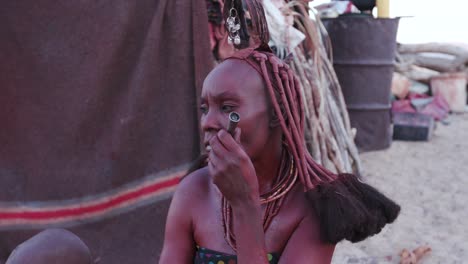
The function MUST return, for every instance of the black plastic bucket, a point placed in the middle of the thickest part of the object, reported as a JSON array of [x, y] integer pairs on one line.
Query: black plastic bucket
[[363, 55]]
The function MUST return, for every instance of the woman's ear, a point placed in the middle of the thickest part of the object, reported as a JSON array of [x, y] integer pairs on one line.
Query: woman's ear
[[274, 120]]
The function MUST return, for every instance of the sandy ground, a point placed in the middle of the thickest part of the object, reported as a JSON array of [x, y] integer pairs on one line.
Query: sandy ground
[[430, 182]]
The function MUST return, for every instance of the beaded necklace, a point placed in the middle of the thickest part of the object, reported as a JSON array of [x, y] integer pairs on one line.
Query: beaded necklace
[[273, 199]]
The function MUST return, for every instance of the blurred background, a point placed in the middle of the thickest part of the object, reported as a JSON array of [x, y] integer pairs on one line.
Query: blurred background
[[427, 20], [99, 121]]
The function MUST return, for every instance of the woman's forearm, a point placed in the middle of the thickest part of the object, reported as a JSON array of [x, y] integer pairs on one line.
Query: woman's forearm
[[250, 237]]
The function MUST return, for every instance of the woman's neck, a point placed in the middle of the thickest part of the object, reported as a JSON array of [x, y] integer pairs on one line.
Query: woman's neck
[[267, 169]]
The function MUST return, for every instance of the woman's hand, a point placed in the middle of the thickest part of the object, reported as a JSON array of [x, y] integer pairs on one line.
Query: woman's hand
[[231, 169]]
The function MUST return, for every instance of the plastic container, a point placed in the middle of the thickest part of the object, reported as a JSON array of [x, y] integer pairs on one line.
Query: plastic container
[[451, 86]]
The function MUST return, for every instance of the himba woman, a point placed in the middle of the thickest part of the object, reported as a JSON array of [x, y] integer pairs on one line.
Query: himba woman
[[258, 196]]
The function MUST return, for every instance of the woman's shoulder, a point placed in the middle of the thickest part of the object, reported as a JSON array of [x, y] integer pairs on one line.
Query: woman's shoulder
[[298, 201], [191, 193], [195, 183], [304, 241], [306, 215]]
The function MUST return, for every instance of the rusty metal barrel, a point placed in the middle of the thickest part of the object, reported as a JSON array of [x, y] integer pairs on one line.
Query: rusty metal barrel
[[363, 55]]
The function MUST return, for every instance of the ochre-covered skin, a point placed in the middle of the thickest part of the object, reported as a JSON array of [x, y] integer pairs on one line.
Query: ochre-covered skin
[[51, 246], [240, 168]]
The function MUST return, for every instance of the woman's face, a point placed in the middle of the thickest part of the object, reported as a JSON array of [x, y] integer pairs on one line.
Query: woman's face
[[236, 86]]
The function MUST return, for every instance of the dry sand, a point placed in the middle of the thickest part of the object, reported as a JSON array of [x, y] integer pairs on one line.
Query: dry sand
[[430, 182]]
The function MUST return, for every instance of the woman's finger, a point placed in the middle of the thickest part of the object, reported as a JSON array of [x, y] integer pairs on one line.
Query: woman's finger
[[214, 159], [212, 169], [229, 142], [217, 146], [237, 135]]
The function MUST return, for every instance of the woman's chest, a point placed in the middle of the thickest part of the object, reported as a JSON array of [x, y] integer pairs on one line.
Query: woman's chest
[[209, 232]]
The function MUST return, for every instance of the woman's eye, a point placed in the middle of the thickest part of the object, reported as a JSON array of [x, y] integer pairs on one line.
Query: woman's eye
[[227, 108], [203, 109]]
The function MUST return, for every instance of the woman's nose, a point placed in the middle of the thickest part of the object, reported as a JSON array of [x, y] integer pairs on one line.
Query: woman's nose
[[211, 121]]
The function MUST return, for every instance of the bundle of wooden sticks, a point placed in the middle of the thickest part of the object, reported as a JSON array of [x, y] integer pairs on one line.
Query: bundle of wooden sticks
[[328, 133]]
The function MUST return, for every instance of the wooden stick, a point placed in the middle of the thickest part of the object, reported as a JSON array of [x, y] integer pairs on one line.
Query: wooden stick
[[417, 73], [439, 64], [452, 49]]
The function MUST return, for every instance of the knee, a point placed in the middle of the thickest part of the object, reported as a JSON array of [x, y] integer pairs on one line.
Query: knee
[[51, 246]]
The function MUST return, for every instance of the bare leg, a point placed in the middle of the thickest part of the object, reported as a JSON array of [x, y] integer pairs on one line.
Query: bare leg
[[52, 246]]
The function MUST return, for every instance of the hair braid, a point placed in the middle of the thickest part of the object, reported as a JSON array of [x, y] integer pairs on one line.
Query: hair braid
[[285, 95], [262, 58]]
